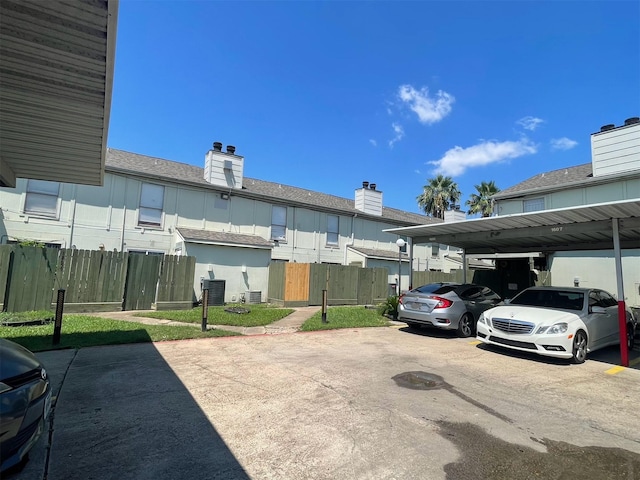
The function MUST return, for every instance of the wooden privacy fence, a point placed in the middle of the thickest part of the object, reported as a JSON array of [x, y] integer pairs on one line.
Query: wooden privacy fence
[[93, 280], [301, 284]]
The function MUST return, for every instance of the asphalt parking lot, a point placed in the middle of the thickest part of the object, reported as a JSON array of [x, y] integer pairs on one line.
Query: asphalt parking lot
[[375, 403]]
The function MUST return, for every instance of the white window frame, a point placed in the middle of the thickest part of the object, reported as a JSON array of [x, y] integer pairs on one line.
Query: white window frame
[[279, 223], [533, 205], [42, 198], [333, 230], [151, 204]]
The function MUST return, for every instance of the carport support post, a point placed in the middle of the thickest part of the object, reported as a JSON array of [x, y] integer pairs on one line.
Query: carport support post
[[324, 306], [57, 327], [205, 308], [622, 314]]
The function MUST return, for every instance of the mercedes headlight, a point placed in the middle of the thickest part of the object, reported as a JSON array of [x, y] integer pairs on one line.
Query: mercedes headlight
[[556, 328]]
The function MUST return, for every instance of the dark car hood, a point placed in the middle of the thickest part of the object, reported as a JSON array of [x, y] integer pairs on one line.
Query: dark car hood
[[15, 359]]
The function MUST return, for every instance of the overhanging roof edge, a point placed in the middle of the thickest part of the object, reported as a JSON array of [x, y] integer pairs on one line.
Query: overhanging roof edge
[[498, 220]]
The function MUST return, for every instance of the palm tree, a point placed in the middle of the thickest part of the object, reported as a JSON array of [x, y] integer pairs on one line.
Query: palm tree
[[482, 202], [438, 195]]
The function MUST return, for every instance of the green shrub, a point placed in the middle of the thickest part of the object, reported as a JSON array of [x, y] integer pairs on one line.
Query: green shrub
[[389, 307]]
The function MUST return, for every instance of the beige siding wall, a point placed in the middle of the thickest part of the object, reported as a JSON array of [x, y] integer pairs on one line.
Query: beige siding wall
[[597, 269], [609, 192], [225, 263], [91, 217]]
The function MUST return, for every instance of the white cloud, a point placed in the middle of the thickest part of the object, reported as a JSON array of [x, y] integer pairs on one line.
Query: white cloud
[[399, 131], [530, 123], [429, 109], [563, 143], [373, 142], [457, 160]]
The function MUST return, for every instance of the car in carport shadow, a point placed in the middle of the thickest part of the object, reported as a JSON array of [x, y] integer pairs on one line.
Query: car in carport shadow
[[446, 306]]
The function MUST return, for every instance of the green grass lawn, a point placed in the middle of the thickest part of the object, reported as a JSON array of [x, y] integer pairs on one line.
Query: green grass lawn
[[258, 315], [346, 317], [87, 331]]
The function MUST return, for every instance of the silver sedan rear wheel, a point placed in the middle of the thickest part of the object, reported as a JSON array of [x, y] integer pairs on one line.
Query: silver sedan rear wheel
[[579, 347], [465, 326]]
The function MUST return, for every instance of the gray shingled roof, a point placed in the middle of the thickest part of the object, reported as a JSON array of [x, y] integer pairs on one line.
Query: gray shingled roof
[[119, 161], [375, 253], [190, 234], [548, 181]]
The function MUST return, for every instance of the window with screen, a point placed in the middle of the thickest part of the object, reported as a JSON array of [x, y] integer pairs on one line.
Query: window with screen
[[279, 223], [332, 229], [151, 202], [42, 198], [533, 205]]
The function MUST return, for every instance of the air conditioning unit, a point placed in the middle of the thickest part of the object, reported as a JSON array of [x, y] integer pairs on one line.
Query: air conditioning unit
[[253, 297], [216, 291]]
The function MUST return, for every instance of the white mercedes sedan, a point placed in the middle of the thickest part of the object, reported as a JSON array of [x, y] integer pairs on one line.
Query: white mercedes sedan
[[556, 322]]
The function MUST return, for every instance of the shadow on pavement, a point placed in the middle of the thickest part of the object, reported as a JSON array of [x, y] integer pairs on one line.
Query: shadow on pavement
[[610, 355], [121, 412]]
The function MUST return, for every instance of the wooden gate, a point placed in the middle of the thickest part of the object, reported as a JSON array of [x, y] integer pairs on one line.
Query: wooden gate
[[143, 272], [30, 276]]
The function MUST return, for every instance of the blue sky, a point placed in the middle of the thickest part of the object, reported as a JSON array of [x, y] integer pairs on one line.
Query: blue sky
[[325, 95]]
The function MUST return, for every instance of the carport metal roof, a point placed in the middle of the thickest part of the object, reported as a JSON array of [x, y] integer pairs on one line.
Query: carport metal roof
[[586, 227], [604, 226]]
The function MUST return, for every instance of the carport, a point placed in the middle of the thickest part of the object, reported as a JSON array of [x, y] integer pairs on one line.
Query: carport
[[603, 226]]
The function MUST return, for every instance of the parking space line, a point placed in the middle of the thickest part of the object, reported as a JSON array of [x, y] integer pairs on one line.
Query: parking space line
[[475, 342], [614, 370], [634, 362]]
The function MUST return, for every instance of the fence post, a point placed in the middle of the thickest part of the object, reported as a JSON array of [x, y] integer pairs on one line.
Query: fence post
[[57, 328], [324, 306], [205, 308]]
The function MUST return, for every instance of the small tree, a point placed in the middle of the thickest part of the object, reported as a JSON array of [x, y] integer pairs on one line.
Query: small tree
[[482, 202]]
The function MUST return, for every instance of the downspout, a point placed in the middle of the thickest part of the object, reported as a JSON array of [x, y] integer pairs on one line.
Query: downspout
[[124, 220], [293, 247], [73, 215], [351, 242]]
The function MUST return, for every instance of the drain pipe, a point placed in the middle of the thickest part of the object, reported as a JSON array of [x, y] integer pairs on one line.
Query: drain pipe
[[350, 242]]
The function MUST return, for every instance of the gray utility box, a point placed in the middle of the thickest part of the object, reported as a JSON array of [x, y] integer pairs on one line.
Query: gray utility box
[[253, 297]]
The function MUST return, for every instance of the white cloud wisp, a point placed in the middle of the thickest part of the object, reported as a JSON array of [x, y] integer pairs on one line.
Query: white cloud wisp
[[457, 160], [399, 131], [563, 143], [530, 123], [429, 109]]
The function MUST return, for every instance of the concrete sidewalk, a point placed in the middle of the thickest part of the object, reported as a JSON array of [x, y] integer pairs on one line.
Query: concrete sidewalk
[[289, 324]]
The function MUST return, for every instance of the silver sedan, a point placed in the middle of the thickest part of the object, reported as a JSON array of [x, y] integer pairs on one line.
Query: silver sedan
[[448, 306]]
